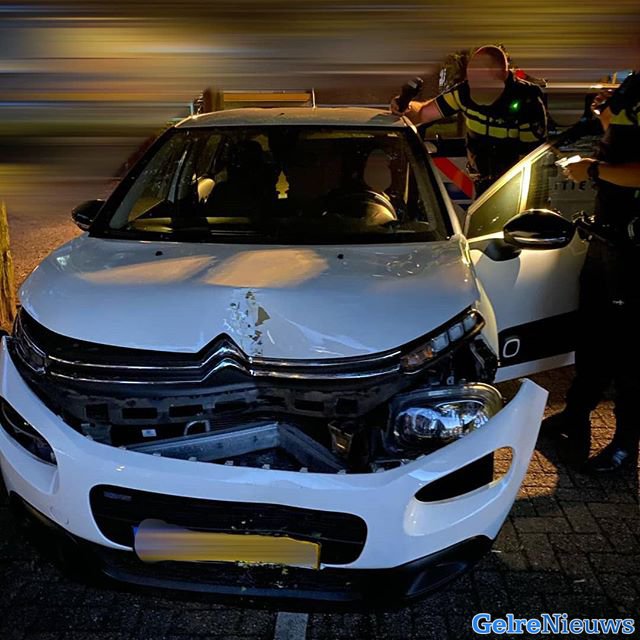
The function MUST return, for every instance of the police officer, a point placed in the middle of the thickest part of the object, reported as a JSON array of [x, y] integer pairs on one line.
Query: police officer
[[505, 117], [608, 348]]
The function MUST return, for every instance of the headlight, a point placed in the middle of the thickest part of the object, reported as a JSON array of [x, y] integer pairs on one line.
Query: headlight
[[461, 328], [426, 420], [28, 352], [24, 434]]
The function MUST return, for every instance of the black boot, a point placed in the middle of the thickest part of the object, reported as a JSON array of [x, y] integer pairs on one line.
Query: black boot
[[614, 457], [572, 433]]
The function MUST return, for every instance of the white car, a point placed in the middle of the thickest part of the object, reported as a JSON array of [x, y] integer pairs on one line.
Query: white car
[[265, 369]]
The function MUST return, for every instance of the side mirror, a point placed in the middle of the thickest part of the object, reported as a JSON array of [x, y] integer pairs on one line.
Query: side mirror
[[538, 229], [84, 214]]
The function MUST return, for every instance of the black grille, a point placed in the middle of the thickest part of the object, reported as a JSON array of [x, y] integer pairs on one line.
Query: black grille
[[118, 510], [72, 359]]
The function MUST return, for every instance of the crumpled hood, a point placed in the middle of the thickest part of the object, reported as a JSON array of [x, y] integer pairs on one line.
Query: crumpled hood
[[273, 301]]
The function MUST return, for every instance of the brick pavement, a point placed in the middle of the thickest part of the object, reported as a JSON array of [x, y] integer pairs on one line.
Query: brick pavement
[[571, 544]]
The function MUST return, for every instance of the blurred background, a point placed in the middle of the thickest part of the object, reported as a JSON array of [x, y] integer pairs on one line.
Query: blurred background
[[83, 84]]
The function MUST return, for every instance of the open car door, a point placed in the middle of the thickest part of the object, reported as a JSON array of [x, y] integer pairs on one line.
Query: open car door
[[534, 292]]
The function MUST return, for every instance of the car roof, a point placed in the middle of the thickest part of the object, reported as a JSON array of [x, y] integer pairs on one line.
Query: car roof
[[332, 116]]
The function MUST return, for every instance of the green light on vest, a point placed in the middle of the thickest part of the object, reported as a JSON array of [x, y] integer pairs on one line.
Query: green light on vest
[[514, 106]]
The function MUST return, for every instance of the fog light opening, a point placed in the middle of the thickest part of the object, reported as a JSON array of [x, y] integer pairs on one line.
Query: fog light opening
[[476, 475], [502, 461]]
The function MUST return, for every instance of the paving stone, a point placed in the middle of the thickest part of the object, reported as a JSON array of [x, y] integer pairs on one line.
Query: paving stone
[[93, 618], [257, 624], [511, 560], [580, 574], [208, 622], [327, 626], [539, 551], [614, 510], [524, 606], [428, 627], [541, 525], [622, 564], [592, 494], [398, 624], [529, 583], [492, 591], [153, 623], [581, 606], [580, 517], [580, 543], [537, 480], [548, 507], [459, 627], [623, 593], [507, 539], [522, 507]]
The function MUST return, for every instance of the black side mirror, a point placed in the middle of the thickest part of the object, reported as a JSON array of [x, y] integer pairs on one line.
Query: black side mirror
[[539, 229], [84, 214]]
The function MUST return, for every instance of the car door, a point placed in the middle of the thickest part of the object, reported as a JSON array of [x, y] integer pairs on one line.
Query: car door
[[534, 292]]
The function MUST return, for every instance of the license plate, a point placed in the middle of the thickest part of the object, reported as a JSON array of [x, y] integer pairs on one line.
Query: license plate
[[155, 541]]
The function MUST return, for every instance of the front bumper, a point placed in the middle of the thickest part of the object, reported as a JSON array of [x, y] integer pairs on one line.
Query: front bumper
[[330, 589], [400, 529]]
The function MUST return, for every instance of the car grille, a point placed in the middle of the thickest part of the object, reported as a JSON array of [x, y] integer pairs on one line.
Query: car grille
[[80, 361], [117, 511]]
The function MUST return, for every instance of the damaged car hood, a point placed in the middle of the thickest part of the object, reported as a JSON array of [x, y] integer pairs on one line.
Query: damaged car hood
[[303, 302]]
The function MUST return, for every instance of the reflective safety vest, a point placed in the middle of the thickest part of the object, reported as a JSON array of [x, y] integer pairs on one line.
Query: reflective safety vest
[[500, 133]]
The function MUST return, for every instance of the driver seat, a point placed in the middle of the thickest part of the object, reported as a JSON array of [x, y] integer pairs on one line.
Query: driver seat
[[250, 185]]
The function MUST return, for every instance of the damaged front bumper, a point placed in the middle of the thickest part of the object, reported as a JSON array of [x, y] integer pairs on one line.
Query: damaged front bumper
[[365, 522]]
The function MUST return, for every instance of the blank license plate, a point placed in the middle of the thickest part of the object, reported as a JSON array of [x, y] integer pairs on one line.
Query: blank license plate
[[156, 541]]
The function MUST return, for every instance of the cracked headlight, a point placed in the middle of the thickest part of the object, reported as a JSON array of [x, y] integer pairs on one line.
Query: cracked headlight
[[430, 419], [461, 328], [24, 434], [25, 348]]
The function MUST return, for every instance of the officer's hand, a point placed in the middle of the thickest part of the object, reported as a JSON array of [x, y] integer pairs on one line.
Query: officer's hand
[[393, 107], [577, 171], [603, 96]]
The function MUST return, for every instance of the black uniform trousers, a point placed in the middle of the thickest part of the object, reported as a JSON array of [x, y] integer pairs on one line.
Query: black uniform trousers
[[608, 337]]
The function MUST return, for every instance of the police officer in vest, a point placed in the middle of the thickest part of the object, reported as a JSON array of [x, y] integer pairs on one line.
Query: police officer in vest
[[608, 348], [505, 116]]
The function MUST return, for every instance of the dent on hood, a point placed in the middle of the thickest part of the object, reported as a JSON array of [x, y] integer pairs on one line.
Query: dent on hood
[[247, 318]]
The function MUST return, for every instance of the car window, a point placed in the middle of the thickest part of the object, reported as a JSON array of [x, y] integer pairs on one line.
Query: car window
[[549, 189], [534, 183], [290, 184]]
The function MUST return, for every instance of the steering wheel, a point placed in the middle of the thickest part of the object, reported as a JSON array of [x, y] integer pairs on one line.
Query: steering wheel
[[341, 203]]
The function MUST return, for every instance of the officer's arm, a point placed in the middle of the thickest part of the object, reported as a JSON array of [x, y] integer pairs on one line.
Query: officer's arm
[[624, 175], [418, 112], [443, 106], [422, 112]]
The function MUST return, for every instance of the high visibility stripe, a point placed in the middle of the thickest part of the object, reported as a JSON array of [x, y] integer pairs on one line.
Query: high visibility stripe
[[494, 132], [475, 114], [528, 136], [451, 98], [623, 119], [455, 174]]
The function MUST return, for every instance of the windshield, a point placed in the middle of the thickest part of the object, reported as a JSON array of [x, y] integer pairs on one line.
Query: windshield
[[278, 184]]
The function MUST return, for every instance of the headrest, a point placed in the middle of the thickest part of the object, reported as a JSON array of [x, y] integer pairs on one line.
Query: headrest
[[377, 171]]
